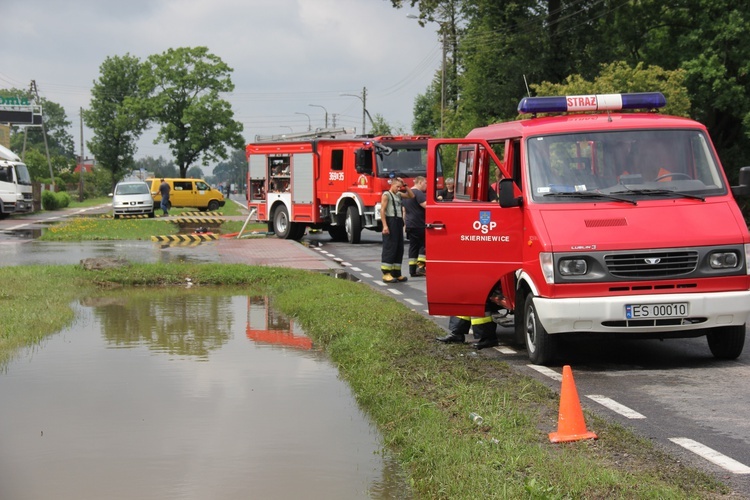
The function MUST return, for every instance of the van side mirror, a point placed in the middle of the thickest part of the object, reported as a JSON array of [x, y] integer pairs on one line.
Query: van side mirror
[[506, 197], [363, 161], [744, 188]]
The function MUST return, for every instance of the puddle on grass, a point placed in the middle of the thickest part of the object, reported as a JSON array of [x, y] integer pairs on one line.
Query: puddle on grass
[[25, 234], [184, 394]]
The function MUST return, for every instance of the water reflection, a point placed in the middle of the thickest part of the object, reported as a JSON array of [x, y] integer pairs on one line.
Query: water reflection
[[168, 394], [265, 324], [169, 323]]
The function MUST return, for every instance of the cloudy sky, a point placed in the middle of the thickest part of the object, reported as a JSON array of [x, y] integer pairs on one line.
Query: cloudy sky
[[286, 55]]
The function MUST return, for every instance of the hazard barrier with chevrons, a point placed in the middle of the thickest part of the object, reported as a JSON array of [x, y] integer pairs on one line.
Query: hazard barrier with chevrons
[[201, 214], [186, 237], [133, 216], [196, 220]]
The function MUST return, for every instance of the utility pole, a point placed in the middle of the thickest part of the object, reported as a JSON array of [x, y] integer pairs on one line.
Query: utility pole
[[362, 98], [35, 91], [80, 183], [324, 109]]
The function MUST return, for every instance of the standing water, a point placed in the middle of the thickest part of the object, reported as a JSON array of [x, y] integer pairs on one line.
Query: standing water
[[184, 394]]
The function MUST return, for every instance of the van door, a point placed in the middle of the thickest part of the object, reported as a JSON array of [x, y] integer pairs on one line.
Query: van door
[[183, 194], [471, 242]]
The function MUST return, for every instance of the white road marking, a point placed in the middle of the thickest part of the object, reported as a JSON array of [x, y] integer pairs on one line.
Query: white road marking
[[345, 264], [380, 284], [366, 275], [394, 291], [326, 253], [356, 269], [505, 350], [413, 302], [16, 227], [547, 372], [338, 259], [615, 406], [712, 455]]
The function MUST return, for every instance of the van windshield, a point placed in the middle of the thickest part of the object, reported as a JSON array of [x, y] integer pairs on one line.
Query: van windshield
[[138, 188], [632, 164]]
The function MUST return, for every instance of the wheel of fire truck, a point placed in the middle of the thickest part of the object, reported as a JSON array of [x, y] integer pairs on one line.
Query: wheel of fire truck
[[540, 344], [353, 225], [726, 342], [282, 226]]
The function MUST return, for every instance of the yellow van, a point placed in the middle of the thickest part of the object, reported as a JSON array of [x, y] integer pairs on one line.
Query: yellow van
[[188, 193]]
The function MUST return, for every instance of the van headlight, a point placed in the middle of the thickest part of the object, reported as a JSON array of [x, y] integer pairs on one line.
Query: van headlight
[[572, 267], [723, 260]]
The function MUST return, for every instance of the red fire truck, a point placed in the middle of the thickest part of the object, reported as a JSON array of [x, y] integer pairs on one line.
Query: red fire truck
[[328, 181], [605, 222]]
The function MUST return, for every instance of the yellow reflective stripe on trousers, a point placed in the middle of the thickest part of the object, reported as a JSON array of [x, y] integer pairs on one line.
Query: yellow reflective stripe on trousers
[[481, 321]]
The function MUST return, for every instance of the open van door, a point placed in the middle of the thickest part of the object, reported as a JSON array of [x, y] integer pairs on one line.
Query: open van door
[[472, 243]]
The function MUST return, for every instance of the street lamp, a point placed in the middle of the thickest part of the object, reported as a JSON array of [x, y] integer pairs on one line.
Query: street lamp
[[444, 40], [287, 126], [309, 123], [324, 109], [362, 98]]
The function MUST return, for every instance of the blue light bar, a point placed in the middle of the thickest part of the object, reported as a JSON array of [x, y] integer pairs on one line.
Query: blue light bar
[[594, 102]]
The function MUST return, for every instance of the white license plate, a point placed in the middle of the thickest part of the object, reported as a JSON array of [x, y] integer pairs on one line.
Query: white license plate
[[656, 311]]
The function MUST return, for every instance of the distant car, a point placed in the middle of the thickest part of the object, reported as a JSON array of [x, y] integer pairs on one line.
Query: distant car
[[132, 198]]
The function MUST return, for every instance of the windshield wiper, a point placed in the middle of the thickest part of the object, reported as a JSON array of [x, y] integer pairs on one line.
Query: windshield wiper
[[661, 192], [591, 194]]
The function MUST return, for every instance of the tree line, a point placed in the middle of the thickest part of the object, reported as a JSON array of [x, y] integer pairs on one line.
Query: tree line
[[694, 51]]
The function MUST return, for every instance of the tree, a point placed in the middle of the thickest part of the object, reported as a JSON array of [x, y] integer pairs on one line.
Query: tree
[[234, 170], [379, 126], [195, 172], [114, 116], [183, 86], [158, 167], [620, 78]]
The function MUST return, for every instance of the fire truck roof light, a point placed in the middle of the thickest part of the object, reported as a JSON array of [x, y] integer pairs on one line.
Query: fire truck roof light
[[594, 102]]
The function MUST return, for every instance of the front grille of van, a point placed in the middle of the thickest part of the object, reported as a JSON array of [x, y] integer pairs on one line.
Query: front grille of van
[[651, 264]]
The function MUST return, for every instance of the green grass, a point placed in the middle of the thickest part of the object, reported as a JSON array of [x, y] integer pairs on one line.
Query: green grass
[[105, 228], [418, 392]]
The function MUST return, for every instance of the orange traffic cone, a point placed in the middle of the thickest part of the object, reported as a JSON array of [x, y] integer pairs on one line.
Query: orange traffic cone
[[570, 423]]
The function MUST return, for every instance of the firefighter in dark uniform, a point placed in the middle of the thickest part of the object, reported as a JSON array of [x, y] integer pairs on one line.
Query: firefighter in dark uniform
[[392, 217]]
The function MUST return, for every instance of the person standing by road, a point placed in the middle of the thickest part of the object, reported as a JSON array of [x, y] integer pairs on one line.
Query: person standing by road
[[392, 219], [415, 226], [164, 192]]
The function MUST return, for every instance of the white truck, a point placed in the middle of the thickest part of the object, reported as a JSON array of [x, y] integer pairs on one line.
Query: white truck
[[15, 184]]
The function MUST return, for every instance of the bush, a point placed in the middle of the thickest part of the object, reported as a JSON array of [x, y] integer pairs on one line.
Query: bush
[[54, 201]]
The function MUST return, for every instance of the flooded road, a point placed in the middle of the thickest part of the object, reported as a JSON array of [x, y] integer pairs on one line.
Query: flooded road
[[184, 394]]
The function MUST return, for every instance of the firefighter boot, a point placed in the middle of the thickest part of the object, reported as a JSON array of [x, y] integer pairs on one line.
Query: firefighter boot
[[398, 276], [388, 278], [487, 334], [458, 327]]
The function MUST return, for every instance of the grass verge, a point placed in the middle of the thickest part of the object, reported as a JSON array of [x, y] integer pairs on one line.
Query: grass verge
[[418, 392]]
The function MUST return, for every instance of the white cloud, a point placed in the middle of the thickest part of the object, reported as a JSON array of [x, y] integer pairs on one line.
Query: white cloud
[[286, 54]]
